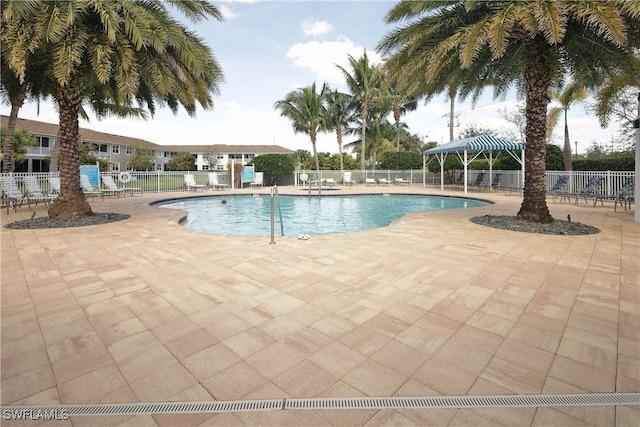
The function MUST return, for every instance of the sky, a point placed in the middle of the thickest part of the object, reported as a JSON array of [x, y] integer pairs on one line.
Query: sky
[[268, 48]]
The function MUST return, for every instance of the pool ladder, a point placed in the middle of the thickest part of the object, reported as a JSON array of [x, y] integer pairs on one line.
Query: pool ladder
[[275, 197]]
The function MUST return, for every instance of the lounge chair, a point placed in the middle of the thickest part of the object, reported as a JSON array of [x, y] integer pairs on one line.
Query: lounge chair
[[459, 182], [560, 188], [215, 183], [330, 182], [346, 179], [495, 182], [384, 181], [54, 185], [88, 189], [479, 182], [11, 193], [34, 191], [370, 181], [400, 181], [591, 191], [626, 194], [190, 183], [258, 180], [111, 185]]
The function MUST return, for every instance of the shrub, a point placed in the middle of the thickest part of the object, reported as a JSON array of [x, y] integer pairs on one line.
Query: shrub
[[403, 160], [274, 166]]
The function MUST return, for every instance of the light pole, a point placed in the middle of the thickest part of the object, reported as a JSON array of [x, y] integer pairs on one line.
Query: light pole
[[576, 142]]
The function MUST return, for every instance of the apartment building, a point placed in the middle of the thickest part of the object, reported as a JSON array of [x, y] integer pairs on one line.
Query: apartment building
[[117, 149]]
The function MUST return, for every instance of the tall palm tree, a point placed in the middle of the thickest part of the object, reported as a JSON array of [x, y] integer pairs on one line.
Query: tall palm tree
[[570, 94], [530, 43], [339, 115], [365, 83], [305, 109], [401, 103], [110, 52]]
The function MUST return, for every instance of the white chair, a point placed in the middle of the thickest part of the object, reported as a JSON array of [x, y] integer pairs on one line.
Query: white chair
[[111, 186], [11, 193], [330, 182], [88, 189], [346, 179], [400, 181], [34, 191], [190, 183], [54, 185], [215, 183], [258, 180], [384, 181], [370, 181]]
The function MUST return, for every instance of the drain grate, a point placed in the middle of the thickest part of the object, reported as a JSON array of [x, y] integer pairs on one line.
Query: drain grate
[[435, 402]]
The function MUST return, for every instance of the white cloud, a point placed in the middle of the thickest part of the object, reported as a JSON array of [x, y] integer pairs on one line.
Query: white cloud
[[313, 28], [321, 58], [226, 12]]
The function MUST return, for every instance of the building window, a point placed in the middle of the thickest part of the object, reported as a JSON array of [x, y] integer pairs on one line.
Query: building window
[[205, 167], [115, 167], [160, 154], [235, 156], [129, 150], [115, 149], [219, 167]]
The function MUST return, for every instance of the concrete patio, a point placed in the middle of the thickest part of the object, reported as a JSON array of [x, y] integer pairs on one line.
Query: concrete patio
[[144, 310]]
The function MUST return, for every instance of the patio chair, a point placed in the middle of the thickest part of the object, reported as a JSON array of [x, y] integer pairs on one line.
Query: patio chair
[[370, 181], [401, 181], [346, 179], [560, 188], [384, 181], [113, 188], [479, 182], [330, 182], [34, 191], [626, 194], [459, 182], [11, 193], [190, 183], [215, 183], [496, 182], [54, 184], [591, 191], [258, 180], [88, 189]]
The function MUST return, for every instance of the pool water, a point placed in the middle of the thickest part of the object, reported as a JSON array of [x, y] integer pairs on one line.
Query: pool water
[[303, 215]]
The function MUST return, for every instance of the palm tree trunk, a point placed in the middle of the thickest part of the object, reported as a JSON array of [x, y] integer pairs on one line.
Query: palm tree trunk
[[568, 164], [365, 112], [534, 203], [71, 203], [453, 91], [339, 136], [7, 150]]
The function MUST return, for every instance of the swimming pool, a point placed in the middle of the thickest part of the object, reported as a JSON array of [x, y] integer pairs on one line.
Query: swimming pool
[[301, 215]]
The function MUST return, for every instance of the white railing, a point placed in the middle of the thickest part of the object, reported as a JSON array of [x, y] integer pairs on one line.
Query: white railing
[[613, 181]]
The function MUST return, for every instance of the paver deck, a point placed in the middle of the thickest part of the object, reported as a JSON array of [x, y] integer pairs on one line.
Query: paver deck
[[145, 310]]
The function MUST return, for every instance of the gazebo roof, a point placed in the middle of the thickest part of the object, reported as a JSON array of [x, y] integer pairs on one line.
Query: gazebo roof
[[476, 144]]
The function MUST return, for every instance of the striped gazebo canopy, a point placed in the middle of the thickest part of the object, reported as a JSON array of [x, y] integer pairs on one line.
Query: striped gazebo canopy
[[476, 144]]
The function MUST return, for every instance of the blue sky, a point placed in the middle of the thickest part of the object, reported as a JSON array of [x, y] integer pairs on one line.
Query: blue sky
[[269, 48]]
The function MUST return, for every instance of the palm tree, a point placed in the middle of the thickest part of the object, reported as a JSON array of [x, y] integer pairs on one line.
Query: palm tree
[[401, 103], [530, 43], [339, 115], [110, 53], [365, 83], [305, 109], [570, 94]]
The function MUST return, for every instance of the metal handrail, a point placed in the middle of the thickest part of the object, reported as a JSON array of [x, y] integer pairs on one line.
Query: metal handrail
[[274, 196]]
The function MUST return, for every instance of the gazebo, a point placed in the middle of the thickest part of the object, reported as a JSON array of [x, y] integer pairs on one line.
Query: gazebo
[[469, 149]]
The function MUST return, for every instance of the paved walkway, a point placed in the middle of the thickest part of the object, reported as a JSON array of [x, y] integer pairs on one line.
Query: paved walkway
[[145, 310]]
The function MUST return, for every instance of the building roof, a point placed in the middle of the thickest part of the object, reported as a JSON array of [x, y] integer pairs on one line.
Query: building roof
[[88, 135], [476, 144]]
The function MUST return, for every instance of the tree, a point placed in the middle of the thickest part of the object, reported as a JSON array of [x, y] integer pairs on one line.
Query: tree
[[182, 161], [305, 109], [112, 53], [21, 140], [142, 159], [401, 103], [365, 83], [339, 114], [274, 166], [402, 160], [570, 94], [529, 43]]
